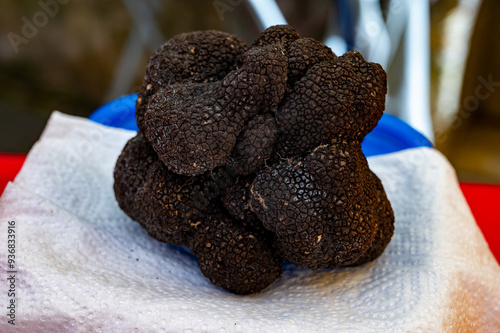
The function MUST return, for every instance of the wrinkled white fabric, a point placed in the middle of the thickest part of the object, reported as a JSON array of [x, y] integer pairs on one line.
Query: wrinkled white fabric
[[84, 266]]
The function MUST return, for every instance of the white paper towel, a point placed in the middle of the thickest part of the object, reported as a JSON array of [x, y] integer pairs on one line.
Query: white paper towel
[[84, 266]]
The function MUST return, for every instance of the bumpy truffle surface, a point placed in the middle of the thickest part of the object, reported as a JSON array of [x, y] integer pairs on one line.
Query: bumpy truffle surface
[[383, 211], [236, 198], [254, 146], [303, 54], [130, 175], [236, 258], [317, 207], [194, 127], [280, 35], [194, 57], [170, 207], [250, 156], [338, 99]]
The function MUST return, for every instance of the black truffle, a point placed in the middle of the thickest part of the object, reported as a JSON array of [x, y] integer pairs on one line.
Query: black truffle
[[252, 155]]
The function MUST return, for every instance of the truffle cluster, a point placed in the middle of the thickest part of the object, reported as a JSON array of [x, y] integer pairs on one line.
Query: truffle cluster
[[251, 155]]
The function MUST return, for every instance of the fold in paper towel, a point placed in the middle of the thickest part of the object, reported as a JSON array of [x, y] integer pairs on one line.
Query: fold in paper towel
[[84, 266]]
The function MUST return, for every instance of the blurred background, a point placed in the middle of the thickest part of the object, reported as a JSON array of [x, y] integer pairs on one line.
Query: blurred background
[[73, 56]]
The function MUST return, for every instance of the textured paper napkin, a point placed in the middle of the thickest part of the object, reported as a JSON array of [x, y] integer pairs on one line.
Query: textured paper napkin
[[83, 266]]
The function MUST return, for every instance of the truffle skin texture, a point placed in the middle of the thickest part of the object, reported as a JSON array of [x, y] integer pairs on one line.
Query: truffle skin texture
[[236, 257], [193, 128], [254, 145], [170, 207], [337, 99], [236, 198], [303, 54], [130, 175], [180, 205], [317, 206], [280, 35], [194, 57], [385, 216]]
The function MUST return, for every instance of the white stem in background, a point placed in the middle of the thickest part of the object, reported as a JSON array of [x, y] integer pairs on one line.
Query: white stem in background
[[267, 13], [416, 83]]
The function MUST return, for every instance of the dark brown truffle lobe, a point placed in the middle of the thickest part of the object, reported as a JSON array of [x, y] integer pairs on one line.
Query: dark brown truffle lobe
[[259, 85], [235, 257], [370, 92], [278, 35], [340, 99], [195, 57], [189, 136], [253, 146], [193, 128], [175, 206], [315, 205], [130, 175], [303, 54], [170, 207], [385, 215]]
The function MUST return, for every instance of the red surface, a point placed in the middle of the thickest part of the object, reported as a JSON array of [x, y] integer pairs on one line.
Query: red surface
[[483, 200], [10, 164]]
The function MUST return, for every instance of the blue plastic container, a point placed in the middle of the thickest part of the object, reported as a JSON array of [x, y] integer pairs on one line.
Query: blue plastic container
[[391, 134], [118, 113]]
